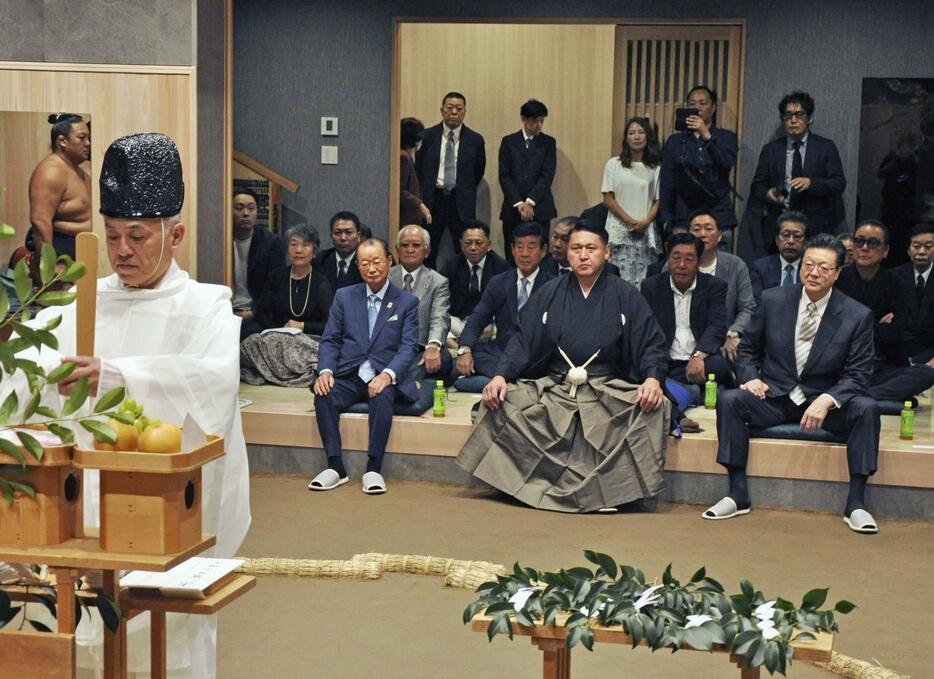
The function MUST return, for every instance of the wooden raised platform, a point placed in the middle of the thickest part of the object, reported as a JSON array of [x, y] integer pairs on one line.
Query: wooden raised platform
[[281, 416]]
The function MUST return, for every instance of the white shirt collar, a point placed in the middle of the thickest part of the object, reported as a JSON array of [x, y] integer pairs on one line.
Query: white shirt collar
[[347, 260], [531, 277], [926, 273], [414, 273], [480, 264], [525, 136], [789, 142], [381, 293], [457, 131], [674, 288], [795, 263], [821, 303]]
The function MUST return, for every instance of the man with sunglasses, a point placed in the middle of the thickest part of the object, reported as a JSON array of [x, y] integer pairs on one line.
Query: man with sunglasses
[[874, 286], [806, 357], [801, 170], [773, 271]]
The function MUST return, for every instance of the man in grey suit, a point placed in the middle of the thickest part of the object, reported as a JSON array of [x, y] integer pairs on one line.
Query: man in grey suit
[[740, 301], [806, 357], [431, 288]]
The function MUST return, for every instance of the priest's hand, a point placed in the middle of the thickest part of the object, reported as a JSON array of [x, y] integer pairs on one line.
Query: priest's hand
[[649, 395], [814, 416], [431, 359], [756, 387], [85, 366], [376, 386], [494, 393], [324, 384], [465, 364]]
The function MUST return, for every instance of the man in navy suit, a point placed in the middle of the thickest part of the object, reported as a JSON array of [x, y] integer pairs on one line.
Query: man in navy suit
[[256, 253], [527, 162], [773, 271], [800, 171], [450, 165], [501, 303], [915, 286], [806, 357], [339, 261], [690, 307], [696, 167], [367, 351], [469, 273]]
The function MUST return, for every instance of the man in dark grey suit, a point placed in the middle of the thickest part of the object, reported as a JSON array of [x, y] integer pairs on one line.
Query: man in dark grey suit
[[434, 300], [527, 161], [806, 357], [773, 271], [450, 166]]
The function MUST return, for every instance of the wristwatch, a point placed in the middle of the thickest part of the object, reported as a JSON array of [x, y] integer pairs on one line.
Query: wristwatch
[[463, 350], [697, 353], [733, 334]]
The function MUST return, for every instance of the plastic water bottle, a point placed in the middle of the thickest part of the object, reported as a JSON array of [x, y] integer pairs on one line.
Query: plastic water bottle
[[908, 423], [440, 396], [710, 392]]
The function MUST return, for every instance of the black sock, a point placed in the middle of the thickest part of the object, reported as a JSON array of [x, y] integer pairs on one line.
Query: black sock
[[373, 464], [337, 464], [855, 498], [738, 490]]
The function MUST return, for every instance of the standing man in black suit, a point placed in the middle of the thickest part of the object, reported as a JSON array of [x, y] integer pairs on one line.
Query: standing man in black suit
[[916, 294], [806, 357], [690, 307], [527, 162], [800, 171], [450, 166], [469, 273], [339, 262], [773, 271], [256, 252]]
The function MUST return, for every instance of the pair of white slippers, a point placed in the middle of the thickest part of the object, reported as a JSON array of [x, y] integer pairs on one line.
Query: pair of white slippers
[[373, 482], [859, 520]]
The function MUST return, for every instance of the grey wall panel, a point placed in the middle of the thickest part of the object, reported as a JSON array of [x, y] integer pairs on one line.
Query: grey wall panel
[[97, 31], [212, 194], [296, 61]]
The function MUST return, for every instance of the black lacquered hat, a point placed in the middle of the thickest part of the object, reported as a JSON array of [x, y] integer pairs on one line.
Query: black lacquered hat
[[142, 177]]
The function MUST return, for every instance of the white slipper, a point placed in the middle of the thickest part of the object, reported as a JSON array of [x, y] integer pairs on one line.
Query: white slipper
[[861, 521], [607, 510], [373, 483], [327, 480], [725, 509]]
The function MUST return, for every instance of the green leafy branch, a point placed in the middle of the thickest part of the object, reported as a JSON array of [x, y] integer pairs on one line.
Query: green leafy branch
[[697, 614], [13, 607]]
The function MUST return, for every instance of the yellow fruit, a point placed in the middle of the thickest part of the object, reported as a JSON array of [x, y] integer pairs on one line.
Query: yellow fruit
[[126, 437], [161, 438]]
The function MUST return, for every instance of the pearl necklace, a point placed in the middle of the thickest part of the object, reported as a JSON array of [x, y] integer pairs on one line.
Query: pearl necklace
[[307, 293]]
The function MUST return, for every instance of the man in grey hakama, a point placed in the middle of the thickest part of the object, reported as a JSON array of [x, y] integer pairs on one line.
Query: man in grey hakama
[[593, 446]]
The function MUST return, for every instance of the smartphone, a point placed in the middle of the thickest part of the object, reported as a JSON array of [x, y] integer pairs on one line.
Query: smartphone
[[681, 118]]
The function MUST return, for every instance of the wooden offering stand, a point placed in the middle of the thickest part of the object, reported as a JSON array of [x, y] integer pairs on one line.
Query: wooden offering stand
[[556, 656]]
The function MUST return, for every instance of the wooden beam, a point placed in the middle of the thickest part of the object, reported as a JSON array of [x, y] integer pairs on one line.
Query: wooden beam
[[265, 171]]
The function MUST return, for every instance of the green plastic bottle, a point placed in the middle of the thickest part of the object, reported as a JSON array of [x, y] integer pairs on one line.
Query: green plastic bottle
[[908, 423], [440, 396], [710, 392]]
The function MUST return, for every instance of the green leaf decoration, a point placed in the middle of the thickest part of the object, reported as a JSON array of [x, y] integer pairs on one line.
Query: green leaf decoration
[[22, 281], [77, 397], [64, 433], [60, 373], [4, 303], [54, 323], [771, 656], [24, 488], [13, 451], [699, 638], [472, 610], [74, 271], [25, 315], [31, 444], [699, 575], [9, 407], [7, 491], [6, 232], [38, 626], [814, 599], [109, 400], [47, 263], [128, 418], [28, 334], [31, 405], [5, 607], [748, 590], [45, 411], [844, 606], [49, 602], [101, 431], [587, 637], [56, 298], [109, 611], [47, 339]]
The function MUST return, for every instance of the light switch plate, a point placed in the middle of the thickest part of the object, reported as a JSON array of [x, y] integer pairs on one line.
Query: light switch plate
[[329, 126], [329, 155]]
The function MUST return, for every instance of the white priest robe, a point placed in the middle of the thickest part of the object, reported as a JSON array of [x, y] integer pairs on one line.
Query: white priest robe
[[176, 350]]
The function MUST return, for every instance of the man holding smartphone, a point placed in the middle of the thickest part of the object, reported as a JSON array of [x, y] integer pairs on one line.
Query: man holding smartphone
[[696, 166]]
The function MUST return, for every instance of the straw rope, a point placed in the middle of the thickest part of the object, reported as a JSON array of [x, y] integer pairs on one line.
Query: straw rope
[[851, 668]]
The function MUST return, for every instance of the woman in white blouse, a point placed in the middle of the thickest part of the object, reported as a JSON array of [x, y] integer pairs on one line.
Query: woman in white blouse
[[630, 193]]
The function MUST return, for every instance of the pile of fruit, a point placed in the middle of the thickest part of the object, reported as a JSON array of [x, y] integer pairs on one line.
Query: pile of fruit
[[136, 432]]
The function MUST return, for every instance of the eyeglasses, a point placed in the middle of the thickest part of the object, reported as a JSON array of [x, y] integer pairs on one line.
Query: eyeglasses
[[791, 235], [871, 243], [800, 115], [367, 263], [822, 269]]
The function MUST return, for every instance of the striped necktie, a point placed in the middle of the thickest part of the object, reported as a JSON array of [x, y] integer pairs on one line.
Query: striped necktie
[[806, 333]]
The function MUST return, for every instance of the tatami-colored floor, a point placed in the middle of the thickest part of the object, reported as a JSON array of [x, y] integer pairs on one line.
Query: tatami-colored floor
[[409, 627]]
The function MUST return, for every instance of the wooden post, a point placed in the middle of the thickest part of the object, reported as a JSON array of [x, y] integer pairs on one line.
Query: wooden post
[[86, 251], [65, 591], [744, 671], [114, 642], [157, 644], [556, 661]]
